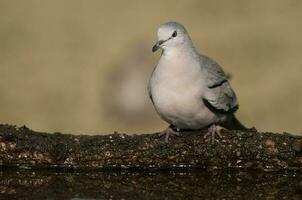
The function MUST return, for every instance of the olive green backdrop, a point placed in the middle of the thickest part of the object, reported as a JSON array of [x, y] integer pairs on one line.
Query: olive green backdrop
[[82, 65]]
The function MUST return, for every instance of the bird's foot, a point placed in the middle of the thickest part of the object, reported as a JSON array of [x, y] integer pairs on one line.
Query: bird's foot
[[169, 133], [213, 131]]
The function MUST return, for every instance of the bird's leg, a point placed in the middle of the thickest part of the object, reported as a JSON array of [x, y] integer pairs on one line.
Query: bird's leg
[[212, 132], [169, 132]]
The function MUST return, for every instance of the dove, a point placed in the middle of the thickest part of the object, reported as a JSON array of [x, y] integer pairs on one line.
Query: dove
[[190, 91]]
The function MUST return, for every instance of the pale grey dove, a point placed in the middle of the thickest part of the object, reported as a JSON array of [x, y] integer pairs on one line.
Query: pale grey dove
[[190, 90]]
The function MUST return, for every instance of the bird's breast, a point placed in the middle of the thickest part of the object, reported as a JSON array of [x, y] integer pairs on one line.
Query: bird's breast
[[177, 91]]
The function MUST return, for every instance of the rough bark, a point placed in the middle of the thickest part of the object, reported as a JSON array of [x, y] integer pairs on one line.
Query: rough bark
[[22, 147]]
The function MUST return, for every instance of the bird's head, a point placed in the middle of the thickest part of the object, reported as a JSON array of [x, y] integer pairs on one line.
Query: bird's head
[[170, 34]]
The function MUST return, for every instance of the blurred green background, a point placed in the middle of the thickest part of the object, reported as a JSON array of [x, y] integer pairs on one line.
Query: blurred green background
[[82, 66]]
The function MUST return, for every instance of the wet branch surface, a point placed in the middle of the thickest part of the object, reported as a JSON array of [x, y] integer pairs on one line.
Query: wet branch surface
[[201, 184], [24, 148]]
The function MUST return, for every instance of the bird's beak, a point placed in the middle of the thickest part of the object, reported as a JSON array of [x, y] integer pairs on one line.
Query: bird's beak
[[157, 45]]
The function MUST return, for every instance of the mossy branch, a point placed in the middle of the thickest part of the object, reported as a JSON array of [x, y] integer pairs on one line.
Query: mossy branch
[[22, 147]]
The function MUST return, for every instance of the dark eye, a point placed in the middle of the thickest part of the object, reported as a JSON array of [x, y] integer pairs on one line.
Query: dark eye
[[174, 34]]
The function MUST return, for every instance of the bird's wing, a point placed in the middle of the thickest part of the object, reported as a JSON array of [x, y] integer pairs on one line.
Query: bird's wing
[[219, 97]]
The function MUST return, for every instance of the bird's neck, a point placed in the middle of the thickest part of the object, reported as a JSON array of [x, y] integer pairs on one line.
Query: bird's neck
[[184, 50]]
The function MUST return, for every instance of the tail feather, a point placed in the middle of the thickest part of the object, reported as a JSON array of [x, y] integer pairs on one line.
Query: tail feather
[[233, 123]]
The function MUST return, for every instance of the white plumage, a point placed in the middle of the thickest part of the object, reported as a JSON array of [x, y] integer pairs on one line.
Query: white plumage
[[189, 90]]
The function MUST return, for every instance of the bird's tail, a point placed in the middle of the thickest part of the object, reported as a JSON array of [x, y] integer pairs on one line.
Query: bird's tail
[[233, 123]]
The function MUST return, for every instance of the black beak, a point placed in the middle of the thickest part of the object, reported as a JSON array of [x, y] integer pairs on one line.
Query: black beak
[[157, 45]]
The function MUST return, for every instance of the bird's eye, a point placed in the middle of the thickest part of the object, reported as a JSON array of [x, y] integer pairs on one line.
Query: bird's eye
[[174, 34]]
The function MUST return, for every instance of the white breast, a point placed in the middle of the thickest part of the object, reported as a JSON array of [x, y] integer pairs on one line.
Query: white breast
[[177, 87]]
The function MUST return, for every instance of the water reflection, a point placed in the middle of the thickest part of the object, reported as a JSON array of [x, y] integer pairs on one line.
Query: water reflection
[[52, 185]]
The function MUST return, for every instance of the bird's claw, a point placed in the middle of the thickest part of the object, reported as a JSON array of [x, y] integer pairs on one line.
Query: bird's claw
[[168, 133], [212, 132]]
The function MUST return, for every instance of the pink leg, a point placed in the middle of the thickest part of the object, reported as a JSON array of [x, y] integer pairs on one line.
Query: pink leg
[[212, 132], [168, 133]]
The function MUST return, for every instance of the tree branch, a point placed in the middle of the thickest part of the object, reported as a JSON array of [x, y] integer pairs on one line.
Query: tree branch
[[22, 147]]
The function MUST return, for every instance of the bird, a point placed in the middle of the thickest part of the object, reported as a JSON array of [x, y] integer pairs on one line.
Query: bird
[[189, 90]]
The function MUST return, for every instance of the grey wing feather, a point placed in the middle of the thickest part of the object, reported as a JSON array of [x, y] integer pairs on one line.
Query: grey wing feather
[[219, 96]]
